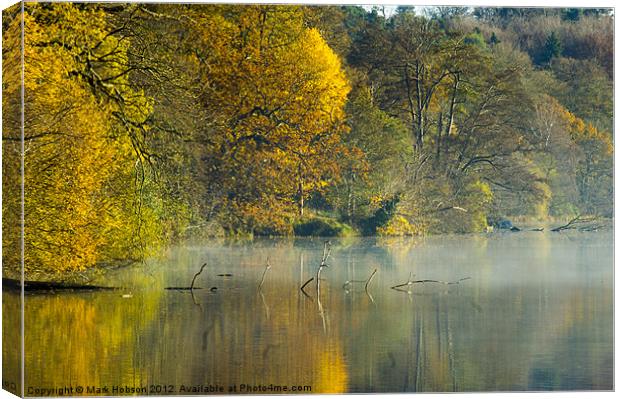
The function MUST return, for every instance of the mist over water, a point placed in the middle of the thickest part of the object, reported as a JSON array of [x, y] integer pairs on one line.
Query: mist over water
[[535, 314]]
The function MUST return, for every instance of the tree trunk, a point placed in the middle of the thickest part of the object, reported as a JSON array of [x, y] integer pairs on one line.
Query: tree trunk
[[301, 198], [439, 131], [349, 202], [412, 108], [300, 192], [451, 117], [420, 109], [452, 102]]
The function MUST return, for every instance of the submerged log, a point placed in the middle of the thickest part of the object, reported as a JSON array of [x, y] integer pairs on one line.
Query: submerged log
[[13, 284], [212, 289]]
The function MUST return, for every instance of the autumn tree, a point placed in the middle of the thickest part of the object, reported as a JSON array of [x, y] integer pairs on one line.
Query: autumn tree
[[82, 136], [147, 123], [278, 92], [585, 89], [371, 178]]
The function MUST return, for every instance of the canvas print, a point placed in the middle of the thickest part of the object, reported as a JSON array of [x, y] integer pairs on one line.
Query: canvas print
[[222, 199]]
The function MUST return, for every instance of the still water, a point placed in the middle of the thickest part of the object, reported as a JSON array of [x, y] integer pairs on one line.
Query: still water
[[536, 314]]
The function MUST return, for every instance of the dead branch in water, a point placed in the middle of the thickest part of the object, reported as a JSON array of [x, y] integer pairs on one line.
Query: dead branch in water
[[318, 279], [327, 250], [572, 224], [592, 228], [411, 282], [369, 280], [366, 282], [191, 287], [306, 283], [262, 280]]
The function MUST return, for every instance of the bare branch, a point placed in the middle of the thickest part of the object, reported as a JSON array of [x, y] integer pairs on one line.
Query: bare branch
[[262, 280], [575, 221], [191, 287]]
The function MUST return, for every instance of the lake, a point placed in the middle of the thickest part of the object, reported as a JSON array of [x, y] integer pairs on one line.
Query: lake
[[535, 313]]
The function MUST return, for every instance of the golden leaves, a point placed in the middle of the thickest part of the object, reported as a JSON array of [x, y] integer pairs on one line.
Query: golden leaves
[[80, 201], [278, 92]]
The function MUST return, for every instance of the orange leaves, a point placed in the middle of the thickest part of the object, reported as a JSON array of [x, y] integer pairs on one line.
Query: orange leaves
[[582, 132], [579, 130]]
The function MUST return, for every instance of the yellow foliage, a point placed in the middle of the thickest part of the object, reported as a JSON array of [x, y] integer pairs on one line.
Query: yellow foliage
[[541, 207], [582, 132], [470, 214], [397, 226], [81, 201], [479, 196], [278, 91], [483, 191]]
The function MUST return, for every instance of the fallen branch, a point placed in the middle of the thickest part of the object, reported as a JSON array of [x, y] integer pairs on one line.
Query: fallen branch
[[575, 221], [592, 228], [191, 287], [327, 250], [411, 282], [14, 284], [318, 279], [366, 282], [262, 280], [306, 283], [369, 280]]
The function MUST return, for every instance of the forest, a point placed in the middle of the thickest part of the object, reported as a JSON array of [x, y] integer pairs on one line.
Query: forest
[[148, 124]]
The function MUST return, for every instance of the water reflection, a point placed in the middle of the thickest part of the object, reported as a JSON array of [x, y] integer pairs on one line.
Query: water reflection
[[535, 315]]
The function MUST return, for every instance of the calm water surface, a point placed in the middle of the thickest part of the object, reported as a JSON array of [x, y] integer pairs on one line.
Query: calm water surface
[[536, 314]]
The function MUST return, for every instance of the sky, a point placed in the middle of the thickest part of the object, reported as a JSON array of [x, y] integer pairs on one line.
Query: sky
[[389, 10]]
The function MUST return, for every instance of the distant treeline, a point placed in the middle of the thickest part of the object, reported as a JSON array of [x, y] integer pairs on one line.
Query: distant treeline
[[149, 123]]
